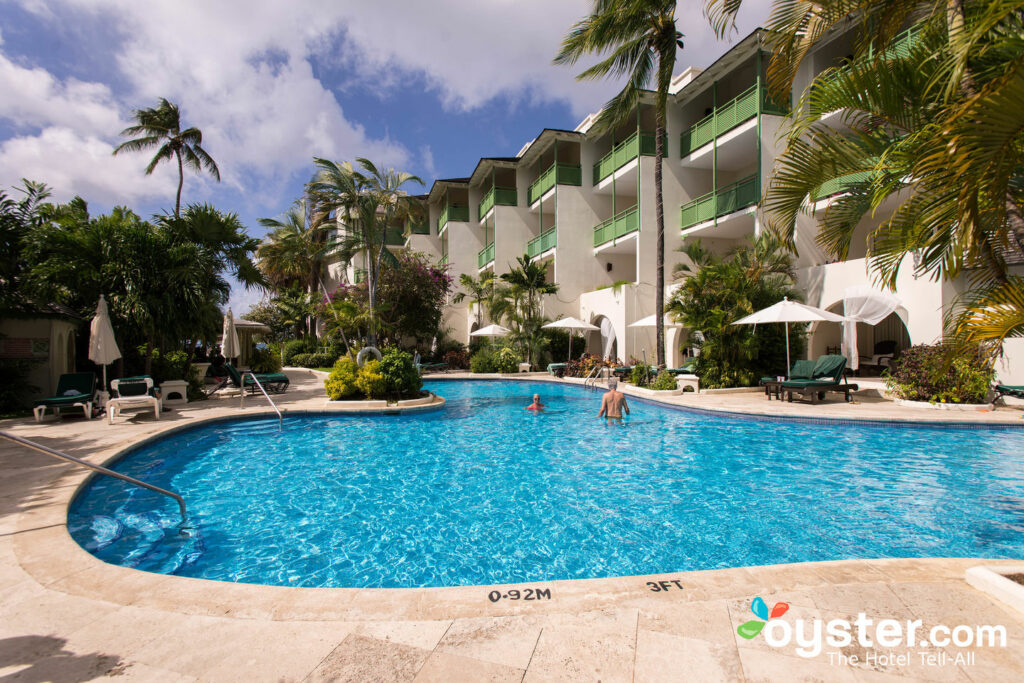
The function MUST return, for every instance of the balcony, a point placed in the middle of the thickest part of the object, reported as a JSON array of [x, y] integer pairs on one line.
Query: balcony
[[452, 212], [841, 184], [485, 256], [726, 117], [562, 174], [394, 237], [422, 228], [722, 202], [538, 245], [360, 275], [504, 196], [639, 143], [626, 222], [443, 261]]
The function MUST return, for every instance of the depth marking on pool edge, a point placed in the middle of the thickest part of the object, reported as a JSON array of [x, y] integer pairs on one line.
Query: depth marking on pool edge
[[664, 586], [525, 594]]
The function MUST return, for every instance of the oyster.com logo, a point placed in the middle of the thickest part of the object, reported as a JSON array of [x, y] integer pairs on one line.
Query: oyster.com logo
[[750, 629]]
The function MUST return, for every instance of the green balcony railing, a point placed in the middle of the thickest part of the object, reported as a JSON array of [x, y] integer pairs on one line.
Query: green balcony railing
[[617, 226], [637, 144], [422, 228], [841, 184], [562, 174], [360, 275], [394, 237], [503, 196], [452, 212], [485, 256], [721, 202], [738, 110], [538, 245], [444, 260]]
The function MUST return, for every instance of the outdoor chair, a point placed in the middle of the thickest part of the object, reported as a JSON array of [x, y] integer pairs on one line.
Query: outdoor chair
[[829, 374], [133, 392], [1012, 390], [273, 382], [801, 370], [74, 390]]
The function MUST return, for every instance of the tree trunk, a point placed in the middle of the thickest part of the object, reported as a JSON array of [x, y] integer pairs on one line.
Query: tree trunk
[[659, 208], [181, 181]]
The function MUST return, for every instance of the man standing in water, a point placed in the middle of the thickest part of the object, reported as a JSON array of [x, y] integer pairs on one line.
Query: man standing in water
[[613, 403], [536, 406]]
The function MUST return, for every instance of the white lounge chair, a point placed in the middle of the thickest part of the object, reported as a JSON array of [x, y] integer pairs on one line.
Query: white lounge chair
[[132, 392]]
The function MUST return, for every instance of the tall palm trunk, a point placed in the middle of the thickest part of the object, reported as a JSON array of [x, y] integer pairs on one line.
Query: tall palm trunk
[[181, 182], [659, 280]]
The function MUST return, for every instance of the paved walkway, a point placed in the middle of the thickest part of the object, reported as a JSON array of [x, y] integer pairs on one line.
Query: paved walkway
[[65, 616]]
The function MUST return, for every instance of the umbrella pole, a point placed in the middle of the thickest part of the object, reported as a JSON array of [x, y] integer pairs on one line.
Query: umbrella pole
[[570, 345], [787, 350]]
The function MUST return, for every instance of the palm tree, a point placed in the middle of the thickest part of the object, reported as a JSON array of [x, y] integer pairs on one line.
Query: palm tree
[[366, 201], [478, 289], [520, 301], [642, 38], [295, 248], [160, 127]]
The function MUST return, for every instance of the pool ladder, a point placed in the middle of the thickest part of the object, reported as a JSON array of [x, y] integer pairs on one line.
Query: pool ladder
[[102, 470], [280, 418], [595, 374]]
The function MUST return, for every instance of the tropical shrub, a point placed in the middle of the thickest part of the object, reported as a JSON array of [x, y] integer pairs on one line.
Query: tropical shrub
[[483, 361], [295, 347], [399, 373], [558, 346], [313, 360], [370, 380], [507, 360], [457, 360], [641, 375], [584, 365], [943, 373], [15, 391], [664, 381], [341, 384], [266, 359]]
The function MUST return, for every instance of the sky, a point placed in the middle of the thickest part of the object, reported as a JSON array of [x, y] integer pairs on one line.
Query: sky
[[424, 87]]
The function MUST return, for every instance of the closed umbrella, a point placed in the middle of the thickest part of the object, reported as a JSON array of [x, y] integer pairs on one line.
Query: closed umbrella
[[786, 312], [229, 346], [491, 331], [102, 344], [571, 324]]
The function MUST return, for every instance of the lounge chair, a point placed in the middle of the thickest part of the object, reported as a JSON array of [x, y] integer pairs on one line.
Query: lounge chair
[[427, 367], [273, 382], [802, 369], [74, 390], [557, 369], [829, 374], [686, 369], [1014, 390], [133, 392]]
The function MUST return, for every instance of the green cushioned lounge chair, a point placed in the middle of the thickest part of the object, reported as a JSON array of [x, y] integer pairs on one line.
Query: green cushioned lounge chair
[[273, 382], [829, 374], [74, 390], [802, 369], [557, 369], [1014, 390]]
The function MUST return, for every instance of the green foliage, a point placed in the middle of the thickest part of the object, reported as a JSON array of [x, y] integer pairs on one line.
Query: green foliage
[[399, 373], [483, 361], [371, 382], [267, 359], [582, 366], [640, 375], [507, 360], [725, 289], [313, 360], [664, 382], [270, 315], [558, 346], [295, 347], [944, 373], [172, 366], [341, 384], [519, 300]]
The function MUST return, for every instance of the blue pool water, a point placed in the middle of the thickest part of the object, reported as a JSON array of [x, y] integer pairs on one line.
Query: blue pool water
[[486, 492]]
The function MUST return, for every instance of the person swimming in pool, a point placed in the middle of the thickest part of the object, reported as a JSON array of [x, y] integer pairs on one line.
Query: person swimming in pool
[[536, 406], [613, 403]]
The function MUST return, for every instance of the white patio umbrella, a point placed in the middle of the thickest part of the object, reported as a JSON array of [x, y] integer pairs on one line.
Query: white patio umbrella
[[786, 312], [652, 321], [229, 346], [491, 331], [571, 324], [102, 344]]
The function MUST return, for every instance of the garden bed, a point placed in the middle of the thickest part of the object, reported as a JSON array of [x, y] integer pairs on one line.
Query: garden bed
[[965, 407]]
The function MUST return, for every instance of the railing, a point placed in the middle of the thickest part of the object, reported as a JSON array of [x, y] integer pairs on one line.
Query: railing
[[417, 228], [280, 418], [617, 226], [538, 245], [360, 275], [637, 144], [97, 468], [485, 256], [503, 196], [562, 174], [452, 212], [841, 184], [444, 260], [394, 237], [738, 110], [723, 201]]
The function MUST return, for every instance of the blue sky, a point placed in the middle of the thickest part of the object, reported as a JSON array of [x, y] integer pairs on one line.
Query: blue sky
[[427, 87]]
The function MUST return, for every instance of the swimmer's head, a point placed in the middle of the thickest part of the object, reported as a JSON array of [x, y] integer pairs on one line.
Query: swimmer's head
[[536, 398], [613, 383]]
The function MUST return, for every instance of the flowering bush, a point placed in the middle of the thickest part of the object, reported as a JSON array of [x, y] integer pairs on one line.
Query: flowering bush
[[940, 374], [400, 375], [507, 360], [457, 360], [370, 380], [584, 365], [341, 383], [664, 381]]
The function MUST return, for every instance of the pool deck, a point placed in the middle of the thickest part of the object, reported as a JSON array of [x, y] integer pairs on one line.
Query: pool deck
[[66, 616]]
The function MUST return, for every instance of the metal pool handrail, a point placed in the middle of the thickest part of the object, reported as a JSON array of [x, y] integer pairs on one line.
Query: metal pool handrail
[[102, 470], [280, 418]]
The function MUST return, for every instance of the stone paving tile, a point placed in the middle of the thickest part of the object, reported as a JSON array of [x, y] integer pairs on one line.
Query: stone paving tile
[[585, 647], [442, 667], [662, 656], [509, 641], [421, 634], [770, 666], [359, 658]]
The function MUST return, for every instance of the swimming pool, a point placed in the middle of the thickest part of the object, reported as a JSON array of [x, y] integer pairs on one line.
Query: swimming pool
[[486, 492]]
